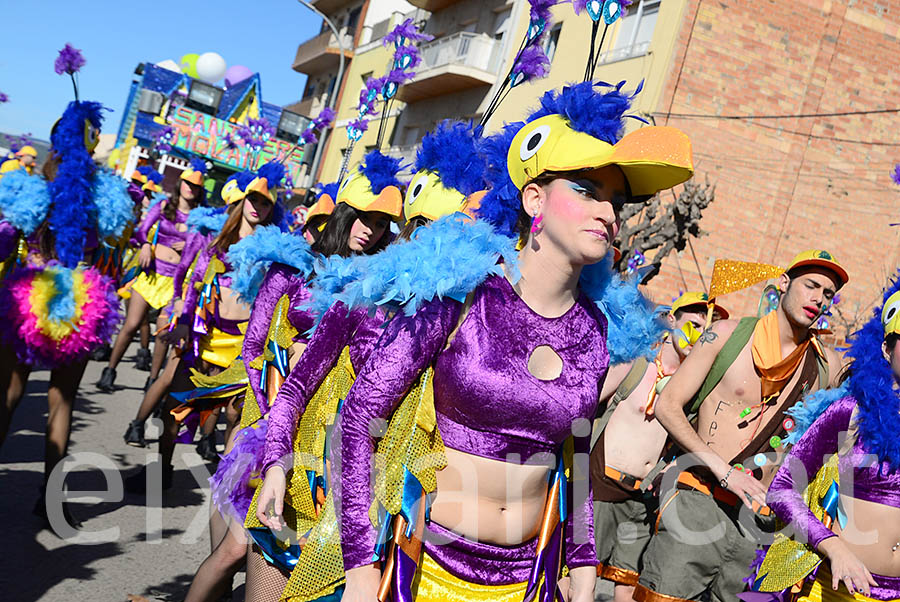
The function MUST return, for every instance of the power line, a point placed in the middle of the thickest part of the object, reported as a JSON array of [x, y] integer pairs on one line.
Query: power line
[[794, 116]]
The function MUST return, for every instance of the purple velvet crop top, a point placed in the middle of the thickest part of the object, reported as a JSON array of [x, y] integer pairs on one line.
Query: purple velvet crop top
[[193, 246], [279, 280], [338, 328], [871, 481], [487, 402], [168, 234]]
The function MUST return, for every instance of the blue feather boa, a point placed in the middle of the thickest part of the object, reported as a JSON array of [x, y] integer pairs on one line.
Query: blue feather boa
[[634, 324], [873, 386], [808, 409], [251, 257], [451, 257], [71, 191], [113, 205], [24, 200], [447, 258], [206, 220]]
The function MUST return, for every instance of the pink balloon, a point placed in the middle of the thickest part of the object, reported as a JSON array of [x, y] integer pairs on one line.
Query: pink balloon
[[236, 73]]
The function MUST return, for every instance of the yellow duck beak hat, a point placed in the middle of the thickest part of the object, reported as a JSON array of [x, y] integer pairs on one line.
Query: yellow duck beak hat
[[195, 173], [26, 150], [449, 172], [373, 186], [324, 204], [890, 315], [265, 181]]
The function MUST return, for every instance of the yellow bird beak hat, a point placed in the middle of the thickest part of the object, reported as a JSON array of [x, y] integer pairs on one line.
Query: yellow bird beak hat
[[580, 128], [266, 181], [195, 173], [449, 172], [373, 186]]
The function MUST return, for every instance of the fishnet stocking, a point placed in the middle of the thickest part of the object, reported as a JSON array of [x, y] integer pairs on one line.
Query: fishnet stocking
[[265, 582]]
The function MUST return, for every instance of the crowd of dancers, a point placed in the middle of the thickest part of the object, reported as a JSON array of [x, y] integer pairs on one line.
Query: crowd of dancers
[[438, 388]]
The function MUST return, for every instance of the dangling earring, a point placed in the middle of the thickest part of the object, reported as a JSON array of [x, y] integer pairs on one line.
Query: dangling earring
[[536, 223]]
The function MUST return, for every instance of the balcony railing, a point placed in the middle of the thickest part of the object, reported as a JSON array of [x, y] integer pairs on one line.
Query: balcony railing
[[406, 154], [321, 52], [626, 52], [464, 48]]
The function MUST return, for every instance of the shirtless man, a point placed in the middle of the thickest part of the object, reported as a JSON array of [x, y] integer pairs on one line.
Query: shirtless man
[[631, 444], [700, 548]]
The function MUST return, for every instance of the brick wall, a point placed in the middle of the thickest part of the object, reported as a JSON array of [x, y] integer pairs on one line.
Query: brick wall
[[786, 185]]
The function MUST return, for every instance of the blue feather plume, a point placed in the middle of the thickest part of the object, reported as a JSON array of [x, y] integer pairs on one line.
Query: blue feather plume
[[811, 407], [873, 386], [71, 189], [600, 115], [155, 177], [450, 151], [448, 258], [24, 200], [251, 257], [198, 165], [380, 170], [500, 206], [331, 189], [635, 325], [61, 307], [115, 209], [206, 220], [273, 172]]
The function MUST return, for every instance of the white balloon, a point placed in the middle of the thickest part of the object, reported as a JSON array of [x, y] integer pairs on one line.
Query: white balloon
[[170, 65], [211, 67]]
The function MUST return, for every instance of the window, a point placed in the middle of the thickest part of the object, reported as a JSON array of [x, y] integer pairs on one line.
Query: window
[[635, 31], [353, 20], [501, 24], [552, 41]]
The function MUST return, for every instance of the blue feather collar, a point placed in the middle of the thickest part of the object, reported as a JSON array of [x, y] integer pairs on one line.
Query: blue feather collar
[[251, 257]]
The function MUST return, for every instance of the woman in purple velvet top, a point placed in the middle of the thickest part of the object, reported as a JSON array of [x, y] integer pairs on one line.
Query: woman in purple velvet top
[[863, 552], [159, 256], [516, 372]]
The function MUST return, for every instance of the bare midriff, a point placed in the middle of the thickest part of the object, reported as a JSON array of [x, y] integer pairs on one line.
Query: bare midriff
[[871, 532], [489, 500], [167, 254], [230, 307]]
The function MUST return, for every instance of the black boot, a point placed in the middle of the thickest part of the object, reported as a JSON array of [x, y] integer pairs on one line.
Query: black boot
[[137, 483], [101, 353], [107, 380], [134, 434], [206, 447], [143, 360], [40, 510]]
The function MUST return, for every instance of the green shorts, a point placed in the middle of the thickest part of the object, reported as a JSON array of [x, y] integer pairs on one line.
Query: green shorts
[[700, 551], [622, 531]]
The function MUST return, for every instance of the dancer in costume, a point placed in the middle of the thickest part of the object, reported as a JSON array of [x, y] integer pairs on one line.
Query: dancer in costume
[[203, 224], [502, 376], [318, 213], [631, 441], [24, 159], [275, 338], [212, 322], [737, 443], [448, 171], [56, 309], [850, 457], [162, 235]]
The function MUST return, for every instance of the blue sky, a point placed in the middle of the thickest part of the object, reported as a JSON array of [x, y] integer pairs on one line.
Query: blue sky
[[114, 37]]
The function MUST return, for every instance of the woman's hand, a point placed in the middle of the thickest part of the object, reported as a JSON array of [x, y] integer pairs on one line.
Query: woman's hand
[[272, 493], [145, 256], [582, 581], [177, 307], [362, 584], [177, 334], [846, 568]]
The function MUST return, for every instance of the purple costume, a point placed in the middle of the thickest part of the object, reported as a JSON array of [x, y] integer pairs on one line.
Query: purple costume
[[168, 234], [192, 247], [487, 403], [870, 482], [280, 280], [339, 328]]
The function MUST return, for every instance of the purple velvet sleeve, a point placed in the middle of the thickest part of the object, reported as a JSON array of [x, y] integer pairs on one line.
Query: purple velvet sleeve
[[193, 245], [8, 238], [192, 294], [803, 462], [330, 337], [408, 346], [153, 215], [276, 283], [580, 545]]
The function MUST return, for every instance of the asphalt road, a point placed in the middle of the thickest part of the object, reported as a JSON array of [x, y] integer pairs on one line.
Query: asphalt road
[[126, 545]]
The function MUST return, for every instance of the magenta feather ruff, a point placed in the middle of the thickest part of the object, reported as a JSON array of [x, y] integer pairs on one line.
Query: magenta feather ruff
[[229, 487], [95, 316]]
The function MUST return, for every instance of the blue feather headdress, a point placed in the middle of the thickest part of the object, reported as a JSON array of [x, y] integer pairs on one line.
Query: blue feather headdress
[[873, 385], [331, 189], [381, 171], [71, 190], [450, 151], [500, 206], [586, 109]]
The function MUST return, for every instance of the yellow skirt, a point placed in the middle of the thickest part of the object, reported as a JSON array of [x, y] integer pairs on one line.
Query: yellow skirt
[[434, 584], [820, 590], [220, 348], [155, 289]]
